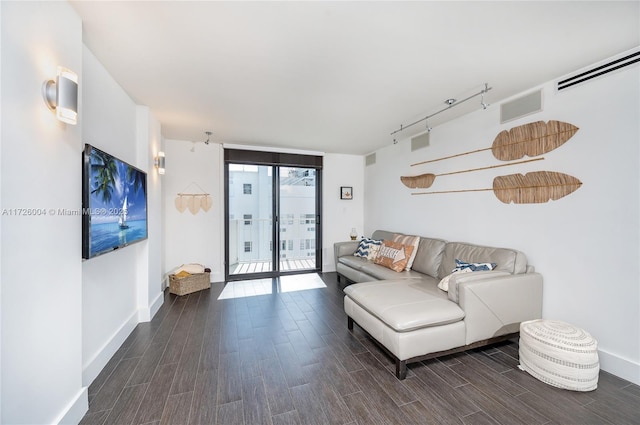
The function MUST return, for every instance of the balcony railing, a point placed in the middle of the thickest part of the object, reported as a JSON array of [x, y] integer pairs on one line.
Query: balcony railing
[[251, 245], [266, 266]]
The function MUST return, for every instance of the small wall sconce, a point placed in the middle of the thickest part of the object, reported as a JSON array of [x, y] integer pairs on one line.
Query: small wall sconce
[[62, 95], [159, 162]]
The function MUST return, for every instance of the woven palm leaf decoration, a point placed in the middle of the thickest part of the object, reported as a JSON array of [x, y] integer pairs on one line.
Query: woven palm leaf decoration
[[533, 139]]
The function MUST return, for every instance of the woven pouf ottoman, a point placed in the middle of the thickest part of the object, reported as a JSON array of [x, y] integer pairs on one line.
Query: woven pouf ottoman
[[559, 354]]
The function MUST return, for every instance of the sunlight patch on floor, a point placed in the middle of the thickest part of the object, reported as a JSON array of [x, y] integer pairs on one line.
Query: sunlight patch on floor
[[252, 288]]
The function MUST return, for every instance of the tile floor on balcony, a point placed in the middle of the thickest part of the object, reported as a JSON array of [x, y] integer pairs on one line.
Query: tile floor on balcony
[[258, 266]]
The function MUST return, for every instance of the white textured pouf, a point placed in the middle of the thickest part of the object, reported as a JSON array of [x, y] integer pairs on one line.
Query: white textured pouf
[[559, 354]]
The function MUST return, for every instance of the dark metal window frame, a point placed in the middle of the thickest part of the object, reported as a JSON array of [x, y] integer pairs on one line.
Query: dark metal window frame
[[276, 160]]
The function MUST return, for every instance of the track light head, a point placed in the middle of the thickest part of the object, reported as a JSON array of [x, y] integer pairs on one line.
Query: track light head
[[483, 103]]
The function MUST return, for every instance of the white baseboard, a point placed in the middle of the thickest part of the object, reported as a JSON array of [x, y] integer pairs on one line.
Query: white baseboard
[[621, 367], [76, 409], [93, 366], [145, 314], [217, 277]]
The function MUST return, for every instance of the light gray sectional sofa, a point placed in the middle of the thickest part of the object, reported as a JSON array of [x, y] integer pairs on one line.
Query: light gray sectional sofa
[[409, 316]]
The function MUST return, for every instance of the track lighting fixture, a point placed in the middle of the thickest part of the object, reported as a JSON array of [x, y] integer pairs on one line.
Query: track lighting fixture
[[450, 103], [208, 133], [483, 103]]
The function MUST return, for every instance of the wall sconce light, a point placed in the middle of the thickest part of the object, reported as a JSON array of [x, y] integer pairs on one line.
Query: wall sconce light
[[61, 95], [159, 162]]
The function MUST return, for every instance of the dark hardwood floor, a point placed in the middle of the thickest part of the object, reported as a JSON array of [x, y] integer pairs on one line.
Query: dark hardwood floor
[[288, 358]]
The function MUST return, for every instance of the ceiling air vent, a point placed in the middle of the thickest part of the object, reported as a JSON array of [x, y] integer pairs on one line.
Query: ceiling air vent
[[599, 71], [370, 159]]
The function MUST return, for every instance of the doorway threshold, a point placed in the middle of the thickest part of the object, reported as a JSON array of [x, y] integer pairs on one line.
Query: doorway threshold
[[269, 286]]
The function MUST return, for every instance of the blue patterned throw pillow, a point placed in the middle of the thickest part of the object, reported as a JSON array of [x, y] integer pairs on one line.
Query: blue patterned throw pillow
[[464, 267], [368, 248], [460, 265]]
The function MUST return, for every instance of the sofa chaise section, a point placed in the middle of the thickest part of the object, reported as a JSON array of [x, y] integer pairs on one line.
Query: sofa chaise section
[[412, 319]]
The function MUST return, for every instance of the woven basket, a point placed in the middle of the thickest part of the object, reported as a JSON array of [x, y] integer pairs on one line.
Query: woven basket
[[189, 284]]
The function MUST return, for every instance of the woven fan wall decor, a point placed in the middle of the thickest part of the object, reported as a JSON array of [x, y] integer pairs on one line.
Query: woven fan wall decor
[[193, 201]]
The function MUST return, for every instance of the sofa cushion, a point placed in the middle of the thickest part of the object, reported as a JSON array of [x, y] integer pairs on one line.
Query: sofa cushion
[[429, 256], [508, 260], [405, 305], [383, 273], [394, 255], [354, 262], [382, 235]]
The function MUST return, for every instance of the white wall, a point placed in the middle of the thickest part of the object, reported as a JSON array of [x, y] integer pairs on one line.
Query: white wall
[[586, 245], [122, 287], [340, 215], [200, 238], [149, 142], [41, 255], [0, 216], [193, 238]]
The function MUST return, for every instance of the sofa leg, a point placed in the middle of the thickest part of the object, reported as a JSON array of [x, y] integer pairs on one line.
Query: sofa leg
[[401, 369], [349, 323]]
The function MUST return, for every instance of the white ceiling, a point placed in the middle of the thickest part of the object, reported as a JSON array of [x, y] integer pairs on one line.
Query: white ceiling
[[339, 76]]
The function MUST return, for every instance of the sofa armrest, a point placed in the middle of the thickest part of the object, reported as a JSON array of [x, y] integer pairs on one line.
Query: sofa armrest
[[341, 249], [458, 279], [496, 306]]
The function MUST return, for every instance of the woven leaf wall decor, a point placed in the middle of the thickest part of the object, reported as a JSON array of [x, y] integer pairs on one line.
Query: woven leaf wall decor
[[532, 188], [533, 139], [535, 187]]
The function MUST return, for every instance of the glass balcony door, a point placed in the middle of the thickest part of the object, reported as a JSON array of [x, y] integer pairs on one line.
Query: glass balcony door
[[272, 220], [298, 211], [250, 219]]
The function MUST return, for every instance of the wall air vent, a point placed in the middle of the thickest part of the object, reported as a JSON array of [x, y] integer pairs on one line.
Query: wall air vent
[[370, 159], [419, 142], [599, 70], [524, 105]]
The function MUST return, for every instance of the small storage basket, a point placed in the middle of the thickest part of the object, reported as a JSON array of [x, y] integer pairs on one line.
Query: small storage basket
[[559, 354], [188, 284]]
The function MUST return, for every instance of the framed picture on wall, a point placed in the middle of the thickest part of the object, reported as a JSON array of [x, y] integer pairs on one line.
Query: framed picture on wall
[[346, 192]]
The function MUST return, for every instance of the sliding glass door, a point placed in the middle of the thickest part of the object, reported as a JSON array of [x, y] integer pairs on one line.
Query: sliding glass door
[[272, 218], [298, 212], [250, 219]]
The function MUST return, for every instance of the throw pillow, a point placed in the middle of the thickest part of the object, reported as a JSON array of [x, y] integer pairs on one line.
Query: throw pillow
[[473, 266], [394, 255], [368, 248], [191, 268], [408, 240], [464, 267], [444, 283]]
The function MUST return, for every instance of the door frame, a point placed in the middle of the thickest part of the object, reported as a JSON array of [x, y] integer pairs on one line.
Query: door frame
[[276, 160]]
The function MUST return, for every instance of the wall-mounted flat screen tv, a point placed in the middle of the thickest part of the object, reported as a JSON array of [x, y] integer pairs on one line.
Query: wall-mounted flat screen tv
[[114, 203]]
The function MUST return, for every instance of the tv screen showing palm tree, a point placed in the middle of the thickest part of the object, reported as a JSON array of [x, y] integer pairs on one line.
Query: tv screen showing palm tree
[[114, 203]]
